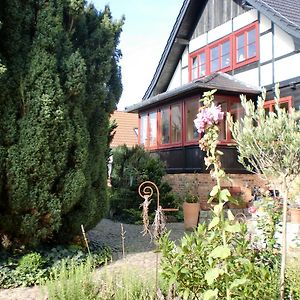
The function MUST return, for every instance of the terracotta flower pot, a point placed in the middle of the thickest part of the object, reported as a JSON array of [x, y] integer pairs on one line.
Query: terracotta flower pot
[[295, 215], [191, 214]]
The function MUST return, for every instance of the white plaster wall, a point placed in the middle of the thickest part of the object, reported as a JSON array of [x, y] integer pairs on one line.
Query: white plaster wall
[[265, 46], [266, 74], [283, 42], [265, 24], [249, 77], [244, 19], [176, 79], [288, 67], [185, 76], [219, 32], [185, 57], [198, 42]]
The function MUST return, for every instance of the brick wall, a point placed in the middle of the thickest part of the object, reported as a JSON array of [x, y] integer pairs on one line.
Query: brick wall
[[201, 185]]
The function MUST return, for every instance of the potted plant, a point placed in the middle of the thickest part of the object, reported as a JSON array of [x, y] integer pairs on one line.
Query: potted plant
[[294, 202], [191, 210], [295, 210]]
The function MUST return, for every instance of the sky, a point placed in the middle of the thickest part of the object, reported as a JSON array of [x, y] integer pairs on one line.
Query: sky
[[148, 24]]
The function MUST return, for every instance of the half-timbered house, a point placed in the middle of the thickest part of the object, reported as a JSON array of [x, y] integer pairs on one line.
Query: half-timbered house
[[235, 46]]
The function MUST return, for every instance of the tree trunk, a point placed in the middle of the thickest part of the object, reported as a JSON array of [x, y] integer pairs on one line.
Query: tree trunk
[[283, 242]]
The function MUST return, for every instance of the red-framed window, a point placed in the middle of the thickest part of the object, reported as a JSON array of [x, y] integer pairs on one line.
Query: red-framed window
[[220, 55], [173, 125], [285, 102], [170, 125], [233, 106], [233, 51], [245, 45], [199, 64], [191, 108], [148, 129]]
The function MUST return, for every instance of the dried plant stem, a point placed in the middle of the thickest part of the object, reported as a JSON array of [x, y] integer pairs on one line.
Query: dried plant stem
[[123, 240], [159, 224], [85, 239], [145, 216]]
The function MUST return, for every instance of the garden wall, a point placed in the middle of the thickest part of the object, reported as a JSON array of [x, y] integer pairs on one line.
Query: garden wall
[[202, 184]]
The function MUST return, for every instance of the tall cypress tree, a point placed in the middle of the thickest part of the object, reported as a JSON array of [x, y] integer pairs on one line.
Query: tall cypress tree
[[61, 84]]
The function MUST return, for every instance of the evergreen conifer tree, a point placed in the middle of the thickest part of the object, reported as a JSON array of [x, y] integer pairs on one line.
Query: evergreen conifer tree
[[61, 84]]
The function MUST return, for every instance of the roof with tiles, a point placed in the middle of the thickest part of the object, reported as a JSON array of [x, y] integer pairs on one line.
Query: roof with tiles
[[126, 132], [221, 81]]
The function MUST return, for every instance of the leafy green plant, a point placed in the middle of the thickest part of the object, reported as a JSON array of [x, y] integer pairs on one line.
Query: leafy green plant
[[293, 280], [131, 167], [216, 261], [268, 144], [32, 268]]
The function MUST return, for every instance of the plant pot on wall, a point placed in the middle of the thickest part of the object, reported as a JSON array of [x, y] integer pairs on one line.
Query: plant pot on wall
[[191, 214], [295, 215]]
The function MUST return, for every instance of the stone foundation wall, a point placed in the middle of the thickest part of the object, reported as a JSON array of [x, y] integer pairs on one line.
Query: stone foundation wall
[[201, 185]]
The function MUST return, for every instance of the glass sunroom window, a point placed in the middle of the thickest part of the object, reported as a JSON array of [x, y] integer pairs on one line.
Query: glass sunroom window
[[165, 125], [143, 129], [176, 130], [191, 111], [152, 128]]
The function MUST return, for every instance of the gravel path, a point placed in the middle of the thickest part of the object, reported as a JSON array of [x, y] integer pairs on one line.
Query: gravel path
[[138, 250]]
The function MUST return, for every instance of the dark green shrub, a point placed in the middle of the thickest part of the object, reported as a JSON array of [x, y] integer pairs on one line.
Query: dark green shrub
[[62, 82], [131, 167]]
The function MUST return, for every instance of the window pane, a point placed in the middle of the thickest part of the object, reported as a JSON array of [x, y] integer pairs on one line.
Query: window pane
[[237, 111], [214, 59], [240, 51], [225, 48], [225, 60], [202, 64], [252, 36], [214, 53], [251, 50], [195, 68], [165, 126], [143, 131], [202, 58], [222, 124], [191, 114], [240, 41], [176, 123], [153, 128], [284, 105]]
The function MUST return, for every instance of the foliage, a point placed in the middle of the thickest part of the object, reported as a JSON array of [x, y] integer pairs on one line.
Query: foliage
[[216, 261], [77, 283], [131, 167], [196, 265], [33, 268], [72, 282], [269, 144], [267, 212], [293, 280], [62, 82]]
